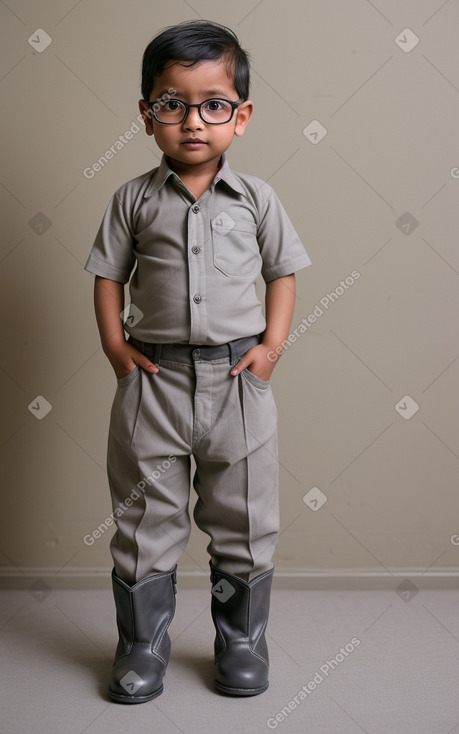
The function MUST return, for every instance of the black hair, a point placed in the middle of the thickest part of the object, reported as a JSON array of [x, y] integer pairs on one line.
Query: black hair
[[195, 41]]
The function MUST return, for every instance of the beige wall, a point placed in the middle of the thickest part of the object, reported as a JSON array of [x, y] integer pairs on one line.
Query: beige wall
[[391, 116]]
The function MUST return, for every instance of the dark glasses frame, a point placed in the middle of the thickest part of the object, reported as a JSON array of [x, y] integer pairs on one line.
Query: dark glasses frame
[[234, 106]]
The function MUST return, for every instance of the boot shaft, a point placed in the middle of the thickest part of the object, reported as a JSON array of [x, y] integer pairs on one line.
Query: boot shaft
[[145, 610], [240, 610]]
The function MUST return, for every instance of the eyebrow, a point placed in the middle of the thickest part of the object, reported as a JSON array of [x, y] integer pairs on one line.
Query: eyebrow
[[209, 93]]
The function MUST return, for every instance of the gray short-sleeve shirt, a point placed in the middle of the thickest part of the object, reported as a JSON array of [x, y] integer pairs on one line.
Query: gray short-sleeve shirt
[[193, 264]]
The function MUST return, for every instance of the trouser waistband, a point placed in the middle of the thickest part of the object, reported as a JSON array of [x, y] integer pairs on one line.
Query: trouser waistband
[[190, 353]]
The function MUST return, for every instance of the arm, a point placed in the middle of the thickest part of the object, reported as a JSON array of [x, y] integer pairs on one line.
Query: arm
[[108, 304], [279, 305]]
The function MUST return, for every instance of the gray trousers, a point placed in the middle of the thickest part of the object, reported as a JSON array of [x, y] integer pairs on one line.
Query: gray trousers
[[193, 406]]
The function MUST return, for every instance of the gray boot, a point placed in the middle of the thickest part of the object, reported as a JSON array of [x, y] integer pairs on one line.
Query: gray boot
[[240, 614], [143, 614]]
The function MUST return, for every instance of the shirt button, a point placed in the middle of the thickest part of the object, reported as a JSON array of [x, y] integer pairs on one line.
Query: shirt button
[[197, 299], [195, 250], [195, 209], [196, 353]]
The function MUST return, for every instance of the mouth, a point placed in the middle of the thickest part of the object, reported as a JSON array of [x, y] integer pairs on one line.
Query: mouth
[[193, 143]]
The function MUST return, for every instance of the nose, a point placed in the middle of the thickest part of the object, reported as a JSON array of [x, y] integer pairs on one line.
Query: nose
[[193, 120]]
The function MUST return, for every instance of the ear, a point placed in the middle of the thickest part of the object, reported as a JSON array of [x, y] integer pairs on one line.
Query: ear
[[147, 115], [243, 115]]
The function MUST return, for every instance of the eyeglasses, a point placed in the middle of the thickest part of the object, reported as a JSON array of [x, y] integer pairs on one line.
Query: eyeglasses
[[214, 111]]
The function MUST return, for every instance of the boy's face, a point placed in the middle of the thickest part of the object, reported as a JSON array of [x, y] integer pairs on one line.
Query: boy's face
[[194, 84]]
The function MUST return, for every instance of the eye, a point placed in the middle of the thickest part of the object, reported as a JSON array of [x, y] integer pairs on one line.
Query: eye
[[172, 105], [214, 105]]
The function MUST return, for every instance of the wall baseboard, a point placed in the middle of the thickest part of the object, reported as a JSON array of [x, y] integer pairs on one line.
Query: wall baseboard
[[30, 578]]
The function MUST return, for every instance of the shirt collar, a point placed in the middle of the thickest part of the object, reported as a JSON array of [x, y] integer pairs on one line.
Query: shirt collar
[[159, 177], [162, 173], [225, 174]]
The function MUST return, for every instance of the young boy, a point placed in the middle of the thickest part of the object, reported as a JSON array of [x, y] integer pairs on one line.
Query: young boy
[[193, 377]]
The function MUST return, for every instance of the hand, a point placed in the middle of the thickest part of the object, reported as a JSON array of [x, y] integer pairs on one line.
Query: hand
[[256, 360], [124, 358]]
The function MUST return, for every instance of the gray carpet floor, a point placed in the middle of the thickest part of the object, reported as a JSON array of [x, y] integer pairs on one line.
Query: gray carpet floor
[[342, 662]]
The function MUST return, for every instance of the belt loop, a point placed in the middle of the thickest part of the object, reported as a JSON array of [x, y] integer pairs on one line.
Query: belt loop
[[157, 354], [234, 356]]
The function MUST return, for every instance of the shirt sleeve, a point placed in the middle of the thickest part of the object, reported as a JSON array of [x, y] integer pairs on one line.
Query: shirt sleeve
[[280, 246], [112, 254]]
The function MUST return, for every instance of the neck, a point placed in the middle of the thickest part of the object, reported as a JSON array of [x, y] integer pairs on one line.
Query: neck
[[197, 178]]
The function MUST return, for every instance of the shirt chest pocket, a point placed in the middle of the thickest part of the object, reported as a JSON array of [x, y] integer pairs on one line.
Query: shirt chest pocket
[[235, 246]]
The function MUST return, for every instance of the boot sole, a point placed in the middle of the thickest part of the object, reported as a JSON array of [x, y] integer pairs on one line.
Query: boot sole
[[240, 691], [119, 698]]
